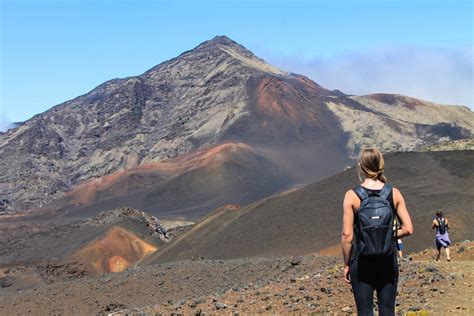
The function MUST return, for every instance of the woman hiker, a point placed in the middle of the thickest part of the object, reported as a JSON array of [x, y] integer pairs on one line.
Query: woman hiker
[[441, 224], [369, 238]]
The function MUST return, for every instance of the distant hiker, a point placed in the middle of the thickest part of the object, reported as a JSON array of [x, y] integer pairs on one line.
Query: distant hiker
[[441, 224], [400, 248], [399, 241], [369, 238]]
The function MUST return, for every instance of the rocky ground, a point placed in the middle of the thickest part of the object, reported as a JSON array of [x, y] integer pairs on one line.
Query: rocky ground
[[308, 284]]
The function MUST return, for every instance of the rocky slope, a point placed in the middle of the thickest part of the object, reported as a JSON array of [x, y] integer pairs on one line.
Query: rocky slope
[[400, 123], [308, 220], [214, 94], [189, 185]]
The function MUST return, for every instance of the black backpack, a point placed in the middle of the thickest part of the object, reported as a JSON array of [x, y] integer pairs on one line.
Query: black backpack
[[441, 225], [374, 223]]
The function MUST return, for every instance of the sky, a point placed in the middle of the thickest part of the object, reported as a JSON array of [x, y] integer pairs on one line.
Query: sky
[[54, 50]]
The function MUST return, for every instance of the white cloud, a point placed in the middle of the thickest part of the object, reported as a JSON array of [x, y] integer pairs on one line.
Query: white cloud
[[438, 75], [5, 123]]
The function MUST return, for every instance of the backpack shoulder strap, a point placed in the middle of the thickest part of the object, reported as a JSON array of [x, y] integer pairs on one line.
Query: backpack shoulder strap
[[387, 189], [361, 192]]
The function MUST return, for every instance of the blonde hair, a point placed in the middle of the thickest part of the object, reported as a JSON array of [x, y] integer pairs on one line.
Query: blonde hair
[[371, 164]]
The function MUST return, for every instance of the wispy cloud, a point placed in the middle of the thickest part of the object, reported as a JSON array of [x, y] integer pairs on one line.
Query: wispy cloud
[[5, 123], [438, 75]]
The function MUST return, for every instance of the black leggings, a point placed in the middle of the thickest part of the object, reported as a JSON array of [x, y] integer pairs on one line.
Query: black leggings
[[379, 274]]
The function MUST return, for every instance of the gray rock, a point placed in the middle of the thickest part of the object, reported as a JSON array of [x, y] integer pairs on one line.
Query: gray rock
[[219, 305], [430, 268], [347, 309], [296, 261]]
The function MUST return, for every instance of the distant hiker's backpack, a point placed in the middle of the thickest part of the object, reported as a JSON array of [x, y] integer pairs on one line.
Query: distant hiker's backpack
[[374, 223], [441, 225]]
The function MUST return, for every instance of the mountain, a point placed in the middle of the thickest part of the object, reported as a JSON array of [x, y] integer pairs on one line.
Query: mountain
[[214, 96], [309, 219]]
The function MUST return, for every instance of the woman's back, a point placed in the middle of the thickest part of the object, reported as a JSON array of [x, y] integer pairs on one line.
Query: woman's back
[[365, 271]]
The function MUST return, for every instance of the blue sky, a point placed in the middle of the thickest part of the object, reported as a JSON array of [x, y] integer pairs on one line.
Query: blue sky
[[55, 50]]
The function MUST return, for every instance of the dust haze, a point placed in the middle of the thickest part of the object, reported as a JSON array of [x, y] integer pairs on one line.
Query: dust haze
[[437, 75]]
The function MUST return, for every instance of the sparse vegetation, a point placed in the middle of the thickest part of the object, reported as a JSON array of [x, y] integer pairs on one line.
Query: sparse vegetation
[[460, 144]]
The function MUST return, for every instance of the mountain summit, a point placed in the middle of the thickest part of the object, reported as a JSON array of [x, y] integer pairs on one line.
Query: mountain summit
[[239, 52], [154, 133]]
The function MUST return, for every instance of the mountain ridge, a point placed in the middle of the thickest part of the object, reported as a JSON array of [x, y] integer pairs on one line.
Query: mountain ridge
[[216, 93]]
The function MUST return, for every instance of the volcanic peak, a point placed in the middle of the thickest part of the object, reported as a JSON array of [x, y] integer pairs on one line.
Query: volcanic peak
[[220, 40], [237, 52]]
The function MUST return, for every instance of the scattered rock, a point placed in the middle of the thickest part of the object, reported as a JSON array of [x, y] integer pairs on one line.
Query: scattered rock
[[112, 307], [347, 309], [414, 308], [430, 268], [296, 261], [219, 305], [5, 282]]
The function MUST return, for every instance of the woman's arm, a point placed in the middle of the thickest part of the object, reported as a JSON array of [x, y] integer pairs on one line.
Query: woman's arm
[[406, 228], [347, 231]]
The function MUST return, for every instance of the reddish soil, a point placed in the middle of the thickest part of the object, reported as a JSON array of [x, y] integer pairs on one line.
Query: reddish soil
[[276, 98], [117, 250], [87, 192]]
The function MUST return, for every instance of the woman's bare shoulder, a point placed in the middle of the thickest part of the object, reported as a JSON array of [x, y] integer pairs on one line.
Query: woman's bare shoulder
[[350, 192], [396, 193], [397, 197], [350, 195]]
